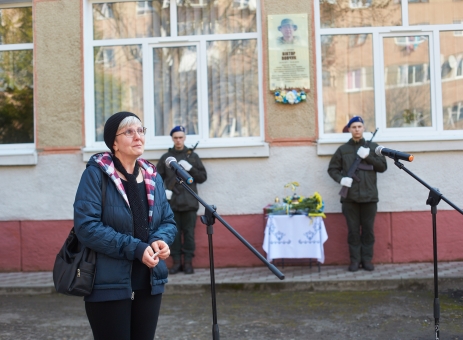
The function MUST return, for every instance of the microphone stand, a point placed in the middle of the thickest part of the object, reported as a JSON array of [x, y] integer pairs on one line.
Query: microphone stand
[[433, 200], [208, 219]]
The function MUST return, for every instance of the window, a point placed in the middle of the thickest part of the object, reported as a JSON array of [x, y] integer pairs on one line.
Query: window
[[144, 7], [458, 33], [440, 12], [344, 13], [326, 76], [16, 78], [452, 84], [103, 11], [459, 72], [359, 3], [391, 74], [411, 42], [357, 40], [199, 68], [330, 118], [446, 69], [455, 116], [353, 94], [412, 74], [358, 80]]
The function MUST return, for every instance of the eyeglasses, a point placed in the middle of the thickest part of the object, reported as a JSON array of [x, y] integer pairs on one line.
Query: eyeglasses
[[130, 133]]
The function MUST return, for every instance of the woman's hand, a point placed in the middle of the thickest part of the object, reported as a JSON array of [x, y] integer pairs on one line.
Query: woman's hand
[[161, 247], [148, 258]]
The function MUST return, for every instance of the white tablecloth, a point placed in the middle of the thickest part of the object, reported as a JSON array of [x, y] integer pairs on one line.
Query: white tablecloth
[[296, 236]]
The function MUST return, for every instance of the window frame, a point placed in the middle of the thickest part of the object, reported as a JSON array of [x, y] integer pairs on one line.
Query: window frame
[[156, 146], [19, 153], [401, 138]]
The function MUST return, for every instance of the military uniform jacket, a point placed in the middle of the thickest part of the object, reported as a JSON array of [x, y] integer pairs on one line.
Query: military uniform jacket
[[181, 199], [366, 190]]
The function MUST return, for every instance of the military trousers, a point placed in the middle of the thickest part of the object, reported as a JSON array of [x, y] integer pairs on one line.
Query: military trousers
[[360, 218], [184, 243]]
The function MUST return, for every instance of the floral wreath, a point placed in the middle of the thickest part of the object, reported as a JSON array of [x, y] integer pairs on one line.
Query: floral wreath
[[290, 96]]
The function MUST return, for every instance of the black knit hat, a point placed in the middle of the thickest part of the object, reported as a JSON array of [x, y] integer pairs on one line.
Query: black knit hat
[[112, 125]]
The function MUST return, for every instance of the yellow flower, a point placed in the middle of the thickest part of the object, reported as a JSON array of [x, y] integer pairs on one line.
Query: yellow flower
[[318, 197], [293, 185]]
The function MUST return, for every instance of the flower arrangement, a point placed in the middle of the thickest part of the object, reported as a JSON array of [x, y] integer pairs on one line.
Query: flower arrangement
[[313, 204], [290, 96], [295, 204]]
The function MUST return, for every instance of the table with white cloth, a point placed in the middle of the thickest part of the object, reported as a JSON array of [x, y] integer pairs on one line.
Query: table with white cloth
[[295, 237]]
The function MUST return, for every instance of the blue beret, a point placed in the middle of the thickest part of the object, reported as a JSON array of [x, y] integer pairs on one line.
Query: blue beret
[[354, 120], [176, 129]]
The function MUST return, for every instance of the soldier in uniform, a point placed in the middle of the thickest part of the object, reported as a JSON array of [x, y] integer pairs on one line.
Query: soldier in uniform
[[183, 204], [360, 206]]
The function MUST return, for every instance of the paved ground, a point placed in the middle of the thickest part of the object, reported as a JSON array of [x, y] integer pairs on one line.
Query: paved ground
[[330, 278], [393, 302]]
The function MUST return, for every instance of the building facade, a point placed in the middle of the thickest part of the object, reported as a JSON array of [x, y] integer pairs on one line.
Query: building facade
[[67, 65]]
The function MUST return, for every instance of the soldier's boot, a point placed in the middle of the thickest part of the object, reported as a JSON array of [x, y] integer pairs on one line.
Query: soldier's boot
[[367, 265], [177, 267], [188, 268], [353, 267]]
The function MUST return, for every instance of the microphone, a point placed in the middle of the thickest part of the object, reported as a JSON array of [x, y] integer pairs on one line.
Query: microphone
[[396, 155], [171, 163]]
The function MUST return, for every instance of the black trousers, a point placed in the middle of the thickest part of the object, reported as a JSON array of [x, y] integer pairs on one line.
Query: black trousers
[[360, 218], [186, 222], [125, 319]]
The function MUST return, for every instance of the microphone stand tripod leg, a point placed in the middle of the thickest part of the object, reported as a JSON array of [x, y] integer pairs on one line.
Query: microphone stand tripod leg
[[208, 219], [433, 200]]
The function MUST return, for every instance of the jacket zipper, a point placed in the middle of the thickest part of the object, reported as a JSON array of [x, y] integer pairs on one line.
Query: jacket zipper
[[131, 266]]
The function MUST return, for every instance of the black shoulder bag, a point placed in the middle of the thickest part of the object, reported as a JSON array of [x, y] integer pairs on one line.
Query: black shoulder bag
[[75, 265]]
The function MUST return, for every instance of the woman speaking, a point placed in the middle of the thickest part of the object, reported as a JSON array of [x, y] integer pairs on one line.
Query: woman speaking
[[131, 232]]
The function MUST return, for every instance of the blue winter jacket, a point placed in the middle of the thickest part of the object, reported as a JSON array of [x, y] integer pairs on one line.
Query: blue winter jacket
[[111, 235]]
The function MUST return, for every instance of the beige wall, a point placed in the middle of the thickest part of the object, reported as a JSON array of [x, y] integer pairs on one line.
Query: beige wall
[[58, 67], [286, 122]]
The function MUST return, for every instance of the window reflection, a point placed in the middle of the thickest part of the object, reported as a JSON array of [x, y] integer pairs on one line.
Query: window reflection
[[233, 88], [175, 90], [451, 44], [119, 20], [348, 81], [198, 17], [360, 3], [118, 83], [16, 97], [15, 25], [360, 13], [357, 39], [407, 81], [433, 12]]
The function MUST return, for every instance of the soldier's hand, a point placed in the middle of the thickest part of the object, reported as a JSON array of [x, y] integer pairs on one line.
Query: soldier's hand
[[363, 152], [346, 182], [168, 194], [187, 166]]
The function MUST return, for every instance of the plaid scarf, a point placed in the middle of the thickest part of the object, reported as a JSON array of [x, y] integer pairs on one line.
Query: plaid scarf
[[139, 214], [105, 161]]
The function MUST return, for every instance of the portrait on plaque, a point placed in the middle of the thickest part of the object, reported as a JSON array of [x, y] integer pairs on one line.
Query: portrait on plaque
[[288, 36]]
